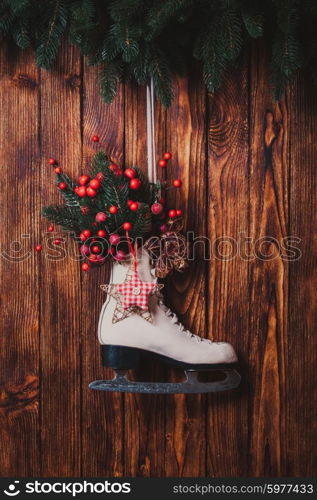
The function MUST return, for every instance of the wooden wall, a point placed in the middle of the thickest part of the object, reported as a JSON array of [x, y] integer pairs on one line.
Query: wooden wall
[[248, 167]]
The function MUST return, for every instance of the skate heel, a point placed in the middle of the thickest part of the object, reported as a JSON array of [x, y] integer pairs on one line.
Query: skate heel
[[120, 357]]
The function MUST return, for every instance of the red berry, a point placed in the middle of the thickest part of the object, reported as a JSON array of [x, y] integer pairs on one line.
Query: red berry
[[57, 170], [38, 248], [62, 186], [84, 235], [52, 161], [91, 192], [50, 229], [113, 167], [95, 138], [83, 179], [163, 228], [101, 217], [84, 210], [84, 249], [120, 255], [162, 200], [81, 191], [57, 241], [156, 208], [92, 257], [100, 176], [135, 183], [179, 212], [94, 184], [130, 202], [127, 226], [130, 173], [114, 239], [85, 266], [118, 172], [177, 183], [172, 213], [96, 249], [101, 233], [134, 206], [167, 156], [113, 209], [162, 163]]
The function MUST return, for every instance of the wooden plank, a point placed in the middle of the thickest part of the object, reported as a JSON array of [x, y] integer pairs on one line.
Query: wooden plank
[[228, 298], [20, 188], [19, 365], [265, 429], [269, 184], [102, 413], [185, 293], [144, 415], [60, 280], [300, 383]]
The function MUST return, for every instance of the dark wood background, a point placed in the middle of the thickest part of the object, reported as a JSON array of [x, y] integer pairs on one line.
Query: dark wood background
[[248, 166]]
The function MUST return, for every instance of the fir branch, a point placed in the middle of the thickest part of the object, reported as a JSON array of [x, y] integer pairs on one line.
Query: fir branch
[[160, 71], [99, 163], [71, 199], [46, 52], [143, 223], [111, 75], [21, 34], [138, 39], [253, 18], [62, 216]]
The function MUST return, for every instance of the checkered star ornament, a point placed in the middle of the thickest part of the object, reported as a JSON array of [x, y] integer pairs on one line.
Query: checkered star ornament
[[132, 296]]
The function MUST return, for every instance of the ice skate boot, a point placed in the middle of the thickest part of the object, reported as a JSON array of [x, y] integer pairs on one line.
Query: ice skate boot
[[127, 338]]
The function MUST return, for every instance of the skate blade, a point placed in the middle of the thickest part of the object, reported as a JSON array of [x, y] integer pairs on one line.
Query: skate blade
[[120, 383]]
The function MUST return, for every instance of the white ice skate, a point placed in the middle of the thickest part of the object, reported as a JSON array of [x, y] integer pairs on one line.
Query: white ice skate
[[125, 342]]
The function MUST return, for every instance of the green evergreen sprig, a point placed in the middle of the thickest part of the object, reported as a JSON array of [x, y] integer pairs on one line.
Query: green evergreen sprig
[[140, 39]]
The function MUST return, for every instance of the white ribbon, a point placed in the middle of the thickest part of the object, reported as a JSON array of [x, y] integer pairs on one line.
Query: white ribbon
[[150, 131]]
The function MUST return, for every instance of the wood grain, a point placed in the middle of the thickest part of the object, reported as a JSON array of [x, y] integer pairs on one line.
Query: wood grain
[[20, 201], [186, 293], [60, 137], [248, 170], [269, 185], [102, 413], [300, 379], [228, 299]]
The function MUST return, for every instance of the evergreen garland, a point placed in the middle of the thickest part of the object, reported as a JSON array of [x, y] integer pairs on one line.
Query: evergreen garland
[[139, 39]]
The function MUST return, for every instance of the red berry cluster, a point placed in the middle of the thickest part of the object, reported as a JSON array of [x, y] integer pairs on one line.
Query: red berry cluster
[[167, 156], [92, 241], [93, 248], [134, 182], [87, 187], [174, 213], [133, 205], [115, 169], [54, 164]]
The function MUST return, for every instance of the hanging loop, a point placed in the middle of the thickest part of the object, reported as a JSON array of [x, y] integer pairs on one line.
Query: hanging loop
[[150, 131]]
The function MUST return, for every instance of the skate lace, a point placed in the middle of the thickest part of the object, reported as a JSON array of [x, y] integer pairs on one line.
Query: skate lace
[[175, 320]]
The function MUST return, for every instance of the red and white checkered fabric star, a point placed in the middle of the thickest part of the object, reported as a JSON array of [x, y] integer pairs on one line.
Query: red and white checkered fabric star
[[136, 292]]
